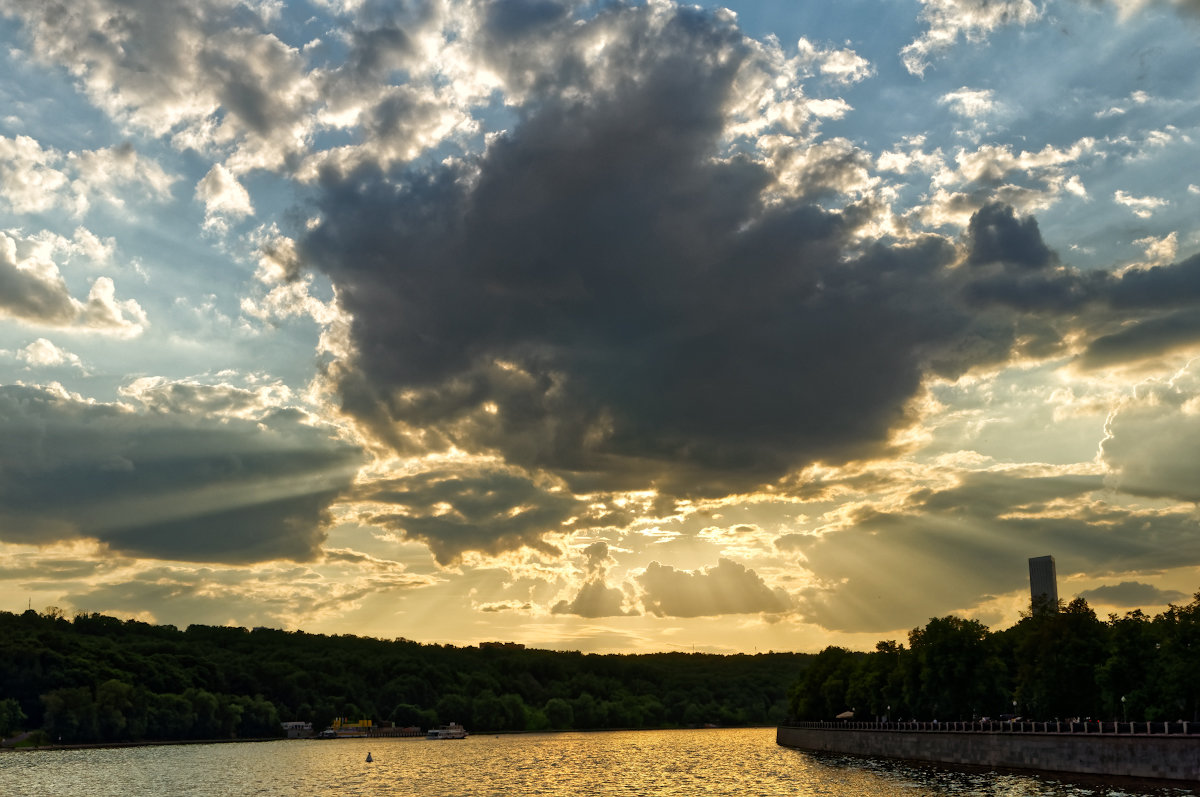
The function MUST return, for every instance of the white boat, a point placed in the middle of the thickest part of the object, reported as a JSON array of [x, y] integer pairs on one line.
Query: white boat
[[451, 731]]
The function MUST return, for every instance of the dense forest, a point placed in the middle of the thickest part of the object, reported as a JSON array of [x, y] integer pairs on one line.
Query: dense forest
[[95, 678], [1058, 662]]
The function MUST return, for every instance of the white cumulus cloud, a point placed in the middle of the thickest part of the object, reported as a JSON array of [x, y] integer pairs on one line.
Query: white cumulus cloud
[[973, 20], [1142, 206], [224, 198], [43, 353]]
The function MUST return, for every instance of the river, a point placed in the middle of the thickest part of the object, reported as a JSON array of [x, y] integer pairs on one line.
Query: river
[[741, 762]]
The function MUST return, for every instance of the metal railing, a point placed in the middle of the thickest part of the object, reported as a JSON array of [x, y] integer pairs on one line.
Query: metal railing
[[1012, 726]]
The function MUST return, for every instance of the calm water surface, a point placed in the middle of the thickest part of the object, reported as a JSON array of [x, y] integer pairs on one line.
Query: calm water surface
[[741, 762]]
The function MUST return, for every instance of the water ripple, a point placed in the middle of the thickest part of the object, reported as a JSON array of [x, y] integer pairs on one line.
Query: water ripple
[[733, 763]]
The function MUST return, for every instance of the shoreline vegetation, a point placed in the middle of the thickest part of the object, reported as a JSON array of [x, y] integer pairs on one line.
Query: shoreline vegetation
[[1059, 662], [94, 679], [48, 746], [98, 679]]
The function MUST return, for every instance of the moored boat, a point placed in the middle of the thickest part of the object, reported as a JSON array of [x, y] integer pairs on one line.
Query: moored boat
[[451, 731]]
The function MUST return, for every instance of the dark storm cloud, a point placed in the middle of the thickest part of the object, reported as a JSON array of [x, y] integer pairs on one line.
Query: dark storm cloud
[[1049, 294], [456, 511], [611, 295], [1172, 286], [169, 485], [1163, 304], [728, 588], [287, 528], [1131, 594], [623, 299], [519, 18], [1012, 267], [996, 235], [378, 50], [1137, 314], [977, 537], [1149, 338]]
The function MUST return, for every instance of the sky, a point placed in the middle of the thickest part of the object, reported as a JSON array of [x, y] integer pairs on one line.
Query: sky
[[601, 326]]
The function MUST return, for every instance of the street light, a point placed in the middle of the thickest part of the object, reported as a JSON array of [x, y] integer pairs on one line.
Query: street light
[[1124, 713]]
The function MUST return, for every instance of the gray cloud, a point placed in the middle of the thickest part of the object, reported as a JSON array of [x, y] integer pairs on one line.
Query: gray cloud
[[32, 289], [1138, 314], [506, 606], [623, 300], [1130, 594], [455, 511], [1153, 438], [35, 569], [996, 235], [375, 51], [1166, 287], [162, 396], [1145, 339], [596, 556], [205, 72], [595, 599], [879, 574], [213, 596], [516, 19], [170, 485], [610, 292], [728, 588], [1163, 304], [32, 294]]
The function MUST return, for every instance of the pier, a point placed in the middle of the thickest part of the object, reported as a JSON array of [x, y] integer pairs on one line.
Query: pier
[[1168, 751]]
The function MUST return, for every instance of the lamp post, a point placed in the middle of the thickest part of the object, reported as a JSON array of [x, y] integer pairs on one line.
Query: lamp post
[[1124, 712]]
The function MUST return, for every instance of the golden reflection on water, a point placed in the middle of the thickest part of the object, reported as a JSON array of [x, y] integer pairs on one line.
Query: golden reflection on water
[[741, 762]]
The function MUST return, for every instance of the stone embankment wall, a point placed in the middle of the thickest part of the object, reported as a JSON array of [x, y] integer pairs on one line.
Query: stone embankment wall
[[1142, 756]]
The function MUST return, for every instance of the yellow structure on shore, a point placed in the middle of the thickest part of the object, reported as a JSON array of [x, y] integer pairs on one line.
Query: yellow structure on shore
[[344, 727]]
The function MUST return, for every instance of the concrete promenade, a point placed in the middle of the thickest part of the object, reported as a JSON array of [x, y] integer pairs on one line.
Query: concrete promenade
[[1144, 751]]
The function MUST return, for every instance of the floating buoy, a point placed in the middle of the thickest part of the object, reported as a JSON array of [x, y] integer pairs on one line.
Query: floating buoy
[[369, 759]]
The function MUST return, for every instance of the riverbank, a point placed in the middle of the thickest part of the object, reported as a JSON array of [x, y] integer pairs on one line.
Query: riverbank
[[1143, 757], [18, 747], [6, 746]]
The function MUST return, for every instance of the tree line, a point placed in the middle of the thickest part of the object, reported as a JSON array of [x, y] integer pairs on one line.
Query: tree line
[[94, 678], [1058, 662]]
